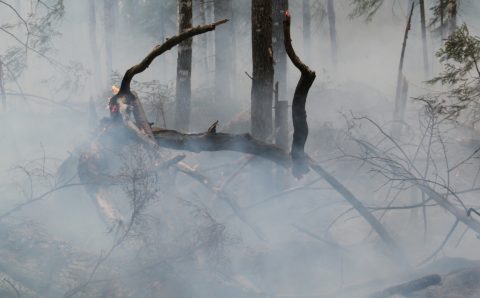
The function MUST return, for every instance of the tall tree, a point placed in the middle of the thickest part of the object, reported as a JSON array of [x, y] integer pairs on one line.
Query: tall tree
[[224, 61], [201, 49], [92, 32], [262, 75], [109, 31], [424, 36], [307, 20], [333, 30], [279, 54], [184, 68]]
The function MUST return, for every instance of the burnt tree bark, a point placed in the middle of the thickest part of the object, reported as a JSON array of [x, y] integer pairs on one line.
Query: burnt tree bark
[[224, 60], [279, 8], [299, 113], [184, 68], [262, 75], [333, 31]]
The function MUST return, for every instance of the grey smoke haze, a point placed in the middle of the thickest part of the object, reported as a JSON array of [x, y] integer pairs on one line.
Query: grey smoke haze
[[206, 254]]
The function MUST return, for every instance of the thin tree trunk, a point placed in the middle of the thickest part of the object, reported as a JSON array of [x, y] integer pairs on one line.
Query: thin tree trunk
[[109, 23], [92, 31], [400, 79], [306, 28], [279, 54], [442, 20], [199, 9], [262, 75], [333, 30], [3, 95], [184, 68], [424, 37], [224, 65]]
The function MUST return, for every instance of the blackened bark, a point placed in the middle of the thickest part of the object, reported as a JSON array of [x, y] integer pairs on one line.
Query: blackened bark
[[299, 113], [224, 64], [281, 120], [262, 75], [333, 30], [279, 53], [184, 68]]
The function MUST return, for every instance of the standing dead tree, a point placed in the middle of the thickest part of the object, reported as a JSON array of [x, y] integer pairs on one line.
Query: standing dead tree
[[184, 68], [262, 75], [400, 98], [423, 24]]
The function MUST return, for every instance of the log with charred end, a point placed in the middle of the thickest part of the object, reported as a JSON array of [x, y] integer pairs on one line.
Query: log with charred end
[[132, 99], [409, 287], [299, 114], [199, 142]]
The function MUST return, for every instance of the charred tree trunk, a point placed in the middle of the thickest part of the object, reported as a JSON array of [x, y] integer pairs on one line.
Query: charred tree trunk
[[299, 113], [397, 115], [184, 68], [224, 62], [109, 26], [307, 20], [442, 20], [280, 7], [281, 121], [262, 75], [92, 32], [3, 95], [333, 30], [424, 37]]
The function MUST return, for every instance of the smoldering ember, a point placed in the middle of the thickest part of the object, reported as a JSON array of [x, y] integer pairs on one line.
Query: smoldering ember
[[250, 148]]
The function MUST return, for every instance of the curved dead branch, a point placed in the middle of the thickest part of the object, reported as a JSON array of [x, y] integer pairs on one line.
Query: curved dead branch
[[299, 114], [160, 49]]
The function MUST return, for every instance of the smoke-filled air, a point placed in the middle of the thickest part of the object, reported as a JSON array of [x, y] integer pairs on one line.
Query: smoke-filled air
[[239, 148]]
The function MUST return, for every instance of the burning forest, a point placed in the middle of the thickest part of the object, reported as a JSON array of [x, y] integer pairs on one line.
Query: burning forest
[[263, 148]]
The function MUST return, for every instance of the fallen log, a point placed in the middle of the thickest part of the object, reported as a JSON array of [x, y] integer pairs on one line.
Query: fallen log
[[409, 287]]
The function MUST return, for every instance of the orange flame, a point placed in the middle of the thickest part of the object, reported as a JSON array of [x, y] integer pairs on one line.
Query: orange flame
[[115, 90], [287, 14]]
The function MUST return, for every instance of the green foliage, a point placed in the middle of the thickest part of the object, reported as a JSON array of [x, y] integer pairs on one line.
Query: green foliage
[[461, 75], [365, 8]]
